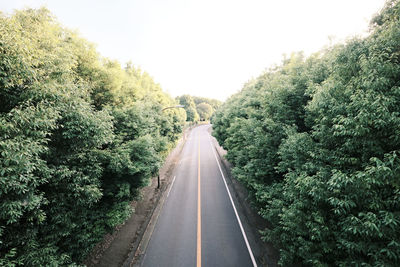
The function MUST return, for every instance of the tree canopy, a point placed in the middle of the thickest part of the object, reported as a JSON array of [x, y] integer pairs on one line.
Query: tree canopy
[[316, 142], [79, 135], [205, 111], [198, 108]]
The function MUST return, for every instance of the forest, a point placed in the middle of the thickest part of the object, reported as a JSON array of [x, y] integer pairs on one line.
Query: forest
[[198, 108], [79, 136], [316, 141]]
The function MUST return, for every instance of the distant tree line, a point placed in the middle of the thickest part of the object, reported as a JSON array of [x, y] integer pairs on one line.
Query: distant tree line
[[198, 108], [317, 143], [79, 135]]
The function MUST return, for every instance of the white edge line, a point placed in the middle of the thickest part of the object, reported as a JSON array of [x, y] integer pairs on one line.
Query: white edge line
[[234, 208], [172, 184]]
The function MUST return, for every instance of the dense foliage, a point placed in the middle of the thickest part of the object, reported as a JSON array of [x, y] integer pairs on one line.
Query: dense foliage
[[79, 135], [317, 142], [198, 108]]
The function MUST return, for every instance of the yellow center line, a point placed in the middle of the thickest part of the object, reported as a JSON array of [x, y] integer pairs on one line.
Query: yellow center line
[[198, 211]]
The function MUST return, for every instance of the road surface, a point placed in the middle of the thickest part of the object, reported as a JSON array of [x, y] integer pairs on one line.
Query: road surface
[[198, 225]]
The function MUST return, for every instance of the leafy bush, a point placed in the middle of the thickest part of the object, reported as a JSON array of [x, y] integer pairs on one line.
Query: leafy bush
[[79, 135], [317, 143]]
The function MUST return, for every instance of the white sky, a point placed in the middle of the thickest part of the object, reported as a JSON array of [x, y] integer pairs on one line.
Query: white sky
[[207, 47]]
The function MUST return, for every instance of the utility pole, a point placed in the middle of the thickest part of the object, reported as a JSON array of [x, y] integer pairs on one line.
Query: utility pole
[[158, 177]]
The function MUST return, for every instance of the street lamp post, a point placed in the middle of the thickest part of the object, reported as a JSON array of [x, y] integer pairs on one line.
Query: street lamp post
[[176, 106]]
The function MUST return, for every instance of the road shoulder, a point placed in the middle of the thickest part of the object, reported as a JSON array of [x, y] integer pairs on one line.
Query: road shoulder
[[265, 253], [124, 246]]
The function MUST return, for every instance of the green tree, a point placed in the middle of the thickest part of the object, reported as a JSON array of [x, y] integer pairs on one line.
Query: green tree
[[316, 142], [205, 111], [190, 108], [214, 103], [79, 135]]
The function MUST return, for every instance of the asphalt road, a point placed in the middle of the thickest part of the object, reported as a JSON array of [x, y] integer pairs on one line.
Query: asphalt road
[[198, 225]]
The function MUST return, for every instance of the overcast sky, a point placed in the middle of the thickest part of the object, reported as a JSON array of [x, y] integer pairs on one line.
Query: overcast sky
[[207, 47]]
